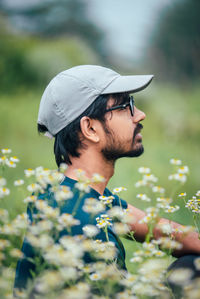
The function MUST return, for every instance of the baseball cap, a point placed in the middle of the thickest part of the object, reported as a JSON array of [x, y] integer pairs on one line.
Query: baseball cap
[[72, 91]]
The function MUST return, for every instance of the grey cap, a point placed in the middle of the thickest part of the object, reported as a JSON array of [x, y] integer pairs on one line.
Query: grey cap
[[72, 91]]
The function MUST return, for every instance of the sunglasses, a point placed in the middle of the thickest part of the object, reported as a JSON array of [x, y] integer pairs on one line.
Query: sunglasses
[[130, 104]]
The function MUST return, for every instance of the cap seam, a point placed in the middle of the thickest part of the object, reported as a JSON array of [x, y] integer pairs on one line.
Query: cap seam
[[82, 81], [110, 83]]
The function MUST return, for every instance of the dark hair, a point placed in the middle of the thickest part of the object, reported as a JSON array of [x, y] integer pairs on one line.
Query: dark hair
[[68, 141]]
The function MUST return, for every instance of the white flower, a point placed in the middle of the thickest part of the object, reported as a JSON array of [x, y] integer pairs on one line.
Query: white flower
[[29, 172], [97, 178], [140, 183], [136, 259], [175, 162], [198, 193], [178, 177], [31, 198], [150, 178], [197, 263], [106, 200], [82, 186], [10, 164], [166, 228], [119, 189], [103, 221], [144, 170], [183, 169], [95, 276], [14, 159], [93, 206], [90, 230], [171, 209], [6, 151], [4, 191], [158, 189], [182, 194], [63, 193], [67, 220], [33, 187], [63, 167], [18, 182], [180, 276], [120, 228], [143, 197]]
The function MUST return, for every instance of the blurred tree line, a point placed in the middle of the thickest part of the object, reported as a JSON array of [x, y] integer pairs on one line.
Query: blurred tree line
[[175, 44], [40, 39]]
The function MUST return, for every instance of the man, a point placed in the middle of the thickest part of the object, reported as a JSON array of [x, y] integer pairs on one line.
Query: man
[[89, 112]]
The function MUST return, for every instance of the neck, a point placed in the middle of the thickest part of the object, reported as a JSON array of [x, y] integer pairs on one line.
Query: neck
[[92, 163]]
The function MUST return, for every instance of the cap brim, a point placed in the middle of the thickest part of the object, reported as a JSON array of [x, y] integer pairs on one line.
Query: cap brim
[[128, 84]]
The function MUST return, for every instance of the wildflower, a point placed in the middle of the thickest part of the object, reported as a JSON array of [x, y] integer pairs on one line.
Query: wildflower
[[140, 183], [158, 189], [14, 252], [18, 182], [197, 263], [10, 164], [182, 194], [175, 162], [194, 205], [33, 187], [143, 197], [144, 170], [119, 213], [63, 193], [183, 169], [31, 198], [198, 193], [171, 209], [120, 228], [150, 178], [167, 243], [97, 178], [95, 276], [163, 202], [106, 200], [82, 187], [67, 220], [103, 221], [2, 182], [6, 151], [29, 172], [166, 228], [4, 244], [14, 159], [90, 230], [4, 191], [3, 160], [180, 276], [63, 167], [178, 177], [119, 189], [93, 206], [50, 280], [185, 229], [136, 259]]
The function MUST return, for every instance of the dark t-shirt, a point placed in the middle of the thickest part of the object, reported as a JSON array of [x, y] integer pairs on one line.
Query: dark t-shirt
[[25, 267]]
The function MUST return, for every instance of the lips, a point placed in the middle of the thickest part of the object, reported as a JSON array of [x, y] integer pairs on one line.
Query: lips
[[137, 130]]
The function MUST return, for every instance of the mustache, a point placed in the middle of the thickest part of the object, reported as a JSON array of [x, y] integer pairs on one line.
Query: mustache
[[137, 129]]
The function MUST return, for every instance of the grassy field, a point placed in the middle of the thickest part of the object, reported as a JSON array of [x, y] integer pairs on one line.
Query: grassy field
[[171, 130]]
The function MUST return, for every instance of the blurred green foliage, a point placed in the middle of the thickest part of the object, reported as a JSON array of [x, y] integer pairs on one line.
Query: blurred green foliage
[[175, 42]]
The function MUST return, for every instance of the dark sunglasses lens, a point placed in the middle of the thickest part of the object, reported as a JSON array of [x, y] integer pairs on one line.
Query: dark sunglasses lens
[[132, 105]]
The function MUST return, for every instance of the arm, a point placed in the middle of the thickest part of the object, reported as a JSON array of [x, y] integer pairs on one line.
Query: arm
[[190, 242]]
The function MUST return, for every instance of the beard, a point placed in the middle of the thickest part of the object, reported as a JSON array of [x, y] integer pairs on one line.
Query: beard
[[115, 149]]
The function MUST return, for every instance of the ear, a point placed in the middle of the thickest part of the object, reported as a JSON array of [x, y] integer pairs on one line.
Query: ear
[[90, 128]]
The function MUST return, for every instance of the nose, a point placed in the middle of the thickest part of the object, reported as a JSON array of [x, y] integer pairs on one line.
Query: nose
[[138, 116]]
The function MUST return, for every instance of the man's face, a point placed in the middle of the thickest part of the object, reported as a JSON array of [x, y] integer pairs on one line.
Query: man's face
[[122, 134]]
